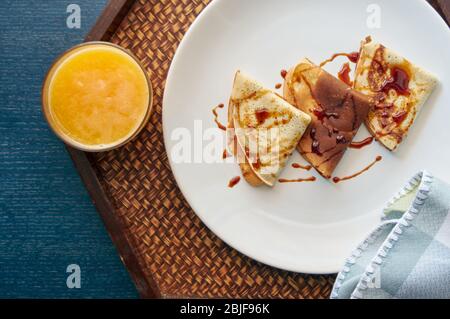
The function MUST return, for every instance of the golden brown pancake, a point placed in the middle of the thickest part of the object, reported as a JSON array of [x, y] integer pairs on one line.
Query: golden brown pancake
[[337, 112], [267, 130], [399, 88]]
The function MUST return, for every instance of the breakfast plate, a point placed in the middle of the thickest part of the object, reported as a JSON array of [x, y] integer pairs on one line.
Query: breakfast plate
[[302, 227]]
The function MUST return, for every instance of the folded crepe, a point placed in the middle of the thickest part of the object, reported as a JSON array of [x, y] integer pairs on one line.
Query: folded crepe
[[337, 112], [399, 88], [266, 130]]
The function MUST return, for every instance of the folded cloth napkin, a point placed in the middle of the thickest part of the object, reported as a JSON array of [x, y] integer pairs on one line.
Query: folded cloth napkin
[[408, 254]]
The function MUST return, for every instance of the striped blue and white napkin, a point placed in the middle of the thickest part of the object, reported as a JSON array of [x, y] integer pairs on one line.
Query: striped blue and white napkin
[[408, 255]]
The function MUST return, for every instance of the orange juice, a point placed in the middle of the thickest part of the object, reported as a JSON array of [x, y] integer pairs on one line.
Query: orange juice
[[96, 97]]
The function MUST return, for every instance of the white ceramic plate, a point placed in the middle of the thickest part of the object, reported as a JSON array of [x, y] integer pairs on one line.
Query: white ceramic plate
[[305, 227]]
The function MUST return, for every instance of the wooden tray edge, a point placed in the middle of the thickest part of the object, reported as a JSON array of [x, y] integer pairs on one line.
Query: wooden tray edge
[[444, 5]]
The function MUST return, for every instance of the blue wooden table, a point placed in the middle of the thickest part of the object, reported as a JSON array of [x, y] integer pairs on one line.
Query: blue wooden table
[[47, 220]]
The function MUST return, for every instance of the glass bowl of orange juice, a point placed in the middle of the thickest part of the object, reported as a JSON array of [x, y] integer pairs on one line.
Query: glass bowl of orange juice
[[97, 96]]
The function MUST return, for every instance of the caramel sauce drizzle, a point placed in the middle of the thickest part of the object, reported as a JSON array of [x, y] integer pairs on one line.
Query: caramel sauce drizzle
[[299, 180], [216, 116], [234, 181], [380, 81], [399, 81], [352, 57], [344, 74], [262, 115], [300, 166], [360, 144], [341, 179], [225, 154]]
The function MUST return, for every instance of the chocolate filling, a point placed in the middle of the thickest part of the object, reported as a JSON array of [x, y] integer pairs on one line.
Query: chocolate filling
[[339, 114]]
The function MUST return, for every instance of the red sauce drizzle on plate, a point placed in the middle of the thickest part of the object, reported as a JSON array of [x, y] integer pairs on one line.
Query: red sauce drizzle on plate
[[352, 57], [216, 115], [300, 166], [361, 144], [283, 73], [341, 179], [234, 181], [299, 180]]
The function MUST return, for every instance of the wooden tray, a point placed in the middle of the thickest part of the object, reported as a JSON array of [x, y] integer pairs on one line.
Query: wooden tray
[[166, 249]]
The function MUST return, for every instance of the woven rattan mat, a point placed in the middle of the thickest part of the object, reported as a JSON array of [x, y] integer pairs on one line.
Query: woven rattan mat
[[172, 245]]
